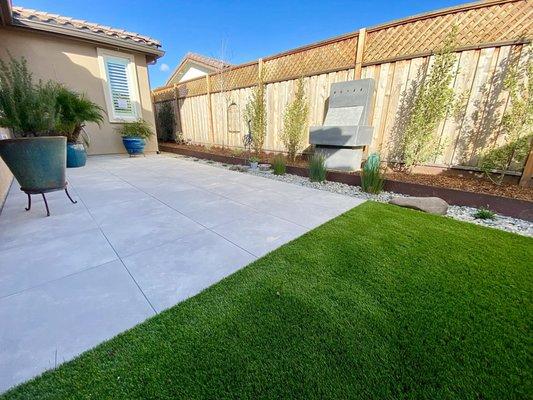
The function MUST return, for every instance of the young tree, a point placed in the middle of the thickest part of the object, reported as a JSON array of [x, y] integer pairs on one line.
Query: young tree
[[255, 115], [295, 121], [432, 101], [517, 122]]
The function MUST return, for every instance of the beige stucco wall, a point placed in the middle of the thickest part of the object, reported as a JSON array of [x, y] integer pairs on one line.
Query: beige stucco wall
[[75, 64], [5, 181], [5, 174]]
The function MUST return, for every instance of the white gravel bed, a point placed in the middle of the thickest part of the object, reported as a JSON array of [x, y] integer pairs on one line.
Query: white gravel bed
[[461, 213]]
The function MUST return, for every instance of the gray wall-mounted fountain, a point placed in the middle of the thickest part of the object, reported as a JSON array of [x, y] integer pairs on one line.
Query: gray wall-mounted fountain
[[345, 130]]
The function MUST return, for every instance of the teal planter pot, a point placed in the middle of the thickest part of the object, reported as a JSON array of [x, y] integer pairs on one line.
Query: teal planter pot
[[134, 146], [76, 155], [38, 164]]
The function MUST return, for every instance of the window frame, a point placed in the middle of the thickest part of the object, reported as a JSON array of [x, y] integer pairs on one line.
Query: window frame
[[131, 71]]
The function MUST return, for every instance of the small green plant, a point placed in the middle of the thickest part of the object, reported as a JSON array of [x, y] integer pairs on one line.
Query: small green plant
[[165, 118], [432, 101], [28, 109], [255, 116], [254, 159], [371, 176], [317, 168], [517, 122], [74, 110], [137, 129], [484, 213], [237, 152], [295, 121], [278, 165]]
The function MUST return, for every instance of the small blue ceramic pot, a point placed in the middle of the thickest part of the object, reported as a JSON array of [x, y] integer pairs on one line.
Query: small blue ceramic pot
[[134, 146], [76, 155]]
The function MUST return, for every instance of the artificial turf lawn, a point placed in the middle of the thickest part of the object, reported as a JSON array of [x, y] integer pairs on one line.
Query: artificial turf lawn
[[382, 302]]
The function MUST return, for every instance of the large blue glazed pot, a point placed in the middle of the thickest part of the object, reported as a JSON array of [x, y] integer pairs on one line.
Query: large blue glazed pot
[[76, 155], [134, 146], [38, 163]]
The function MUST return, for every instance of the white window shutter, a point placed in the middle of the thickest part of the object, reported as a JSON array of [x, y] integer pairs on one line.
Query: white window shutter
[[120, 87]]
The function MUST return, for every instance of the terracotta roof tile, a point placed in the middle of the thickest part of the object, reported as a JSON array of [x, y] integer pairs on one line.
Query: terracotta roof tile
[[20, 14]]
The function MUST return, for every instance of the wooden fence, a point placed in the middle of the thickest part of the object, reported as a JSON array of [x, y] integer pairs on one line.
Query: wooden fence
[[397, 55]]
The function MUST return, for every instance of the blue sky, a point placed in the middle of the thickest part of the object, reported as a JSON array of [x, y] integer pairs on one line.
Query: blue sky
[[247, 30]]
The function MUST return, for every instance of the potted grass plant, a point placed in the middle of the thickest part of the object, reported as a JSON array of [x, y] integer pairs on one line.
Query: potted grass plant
[[74, 111], [35, 155], [254, 162], [134, 135]]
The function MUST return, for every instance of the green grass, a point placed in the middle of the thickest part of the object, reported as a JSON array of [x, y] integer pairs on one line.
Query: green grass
[[382, 302]]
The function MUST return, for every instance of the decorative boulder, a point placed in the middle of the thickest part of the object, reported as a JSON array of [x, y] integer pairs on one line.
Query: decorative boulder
[[432, 205]]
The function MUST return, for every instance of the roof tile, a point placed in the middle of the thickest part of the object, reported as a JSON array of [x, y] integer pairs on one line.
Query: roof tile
[[20, 14]]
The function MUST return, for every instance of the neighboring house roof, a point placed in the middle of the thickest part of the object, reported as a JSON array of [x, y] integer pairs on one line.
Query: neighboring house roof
[[39, 20], [210, 63]]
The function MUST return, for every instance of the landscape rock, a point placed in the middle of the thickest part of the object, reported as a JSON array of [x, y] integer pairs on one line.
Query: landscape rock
[[432, 205]]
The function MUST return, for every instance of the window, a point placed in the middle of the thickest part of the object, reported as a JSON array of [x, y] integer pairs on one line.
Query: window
[[234, 125], [120, 85]]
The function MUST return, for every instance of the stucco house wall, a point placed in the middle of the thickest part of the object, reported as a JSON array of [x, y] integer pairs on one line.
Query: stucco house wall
[[75, 64]]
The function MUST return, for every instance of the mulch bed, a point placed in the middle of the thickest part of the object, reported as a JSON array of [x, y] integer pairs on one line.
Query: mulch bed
[[472, 184], [477, 185]]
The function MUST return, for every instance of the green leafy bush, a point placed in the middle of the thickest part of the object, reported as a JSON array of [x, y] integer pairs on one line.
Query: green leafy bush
[[371, 176], [317, 168], [432, 101], [295, 121], [255, 115], [278, 165], [165, 118], [28, 109], [137, 129], [484, 213], [517, 122], [74, 110]]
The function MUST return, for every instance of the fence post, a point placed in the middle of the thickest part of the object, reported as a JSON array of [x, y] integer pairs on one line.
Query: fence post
[[177, 113], [359, 53], [527, 175], [260, 70], [209, 110]]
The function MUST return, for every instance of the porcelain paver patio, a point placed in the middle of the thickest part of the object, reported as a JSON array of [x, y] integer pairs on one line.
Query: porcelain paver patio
[[145, 234]]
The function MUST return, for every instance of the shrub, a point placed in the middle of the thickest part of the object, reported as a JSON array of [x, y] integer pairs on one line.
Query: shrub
[[517, 122], [74, 110], [295, 121], [484, 213], [26, 108], [165, 118], [137, 129], [255, 116], [432, 101], [278, 165], [371, 177], [317, 168]]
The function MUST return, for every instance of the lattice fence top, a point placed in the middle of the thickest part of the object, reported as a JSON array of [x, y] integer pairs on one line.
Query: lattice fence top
[[327, 57], [191, 88], [235, 78], [162, 94], [485, 23], [500, 22]]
